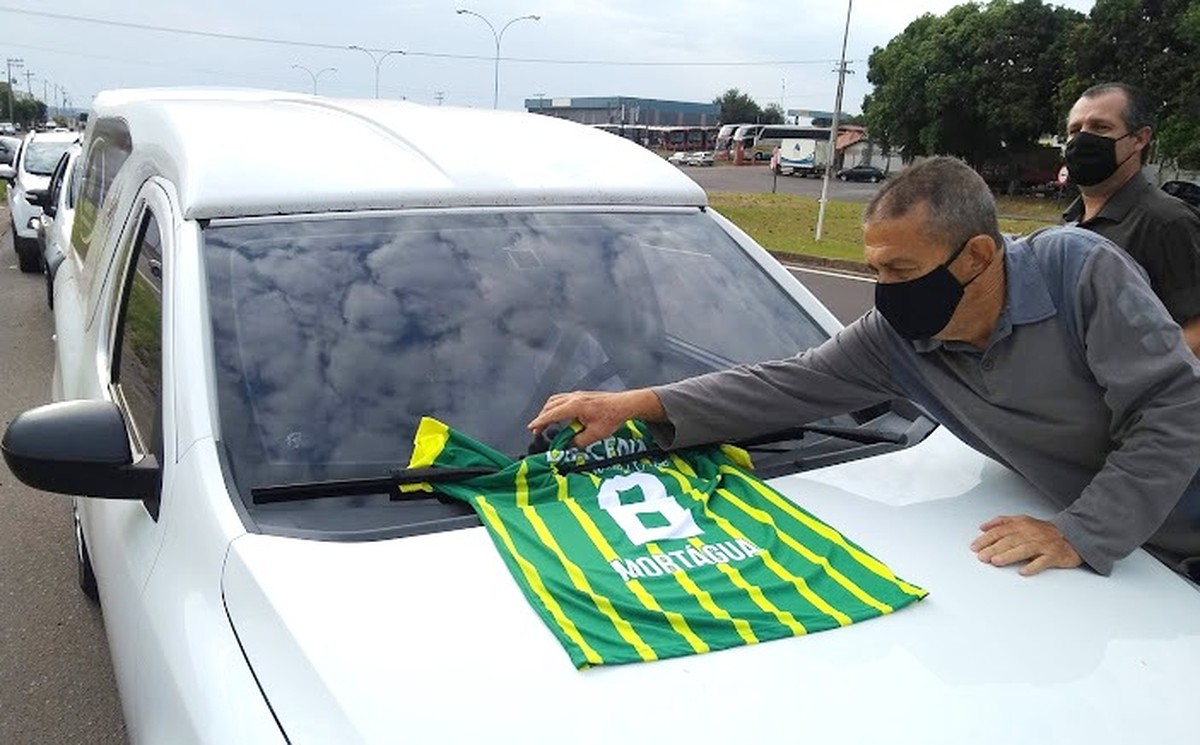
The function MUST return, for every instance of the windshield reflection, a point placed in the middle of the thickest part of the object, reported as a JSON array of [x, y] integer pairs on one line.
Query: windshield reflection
[[42, 157], [332, 338]]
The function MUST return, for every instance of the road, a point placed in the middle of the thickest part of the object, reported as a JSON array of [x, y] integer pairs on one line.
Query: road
[[758, 179], [56, 680]]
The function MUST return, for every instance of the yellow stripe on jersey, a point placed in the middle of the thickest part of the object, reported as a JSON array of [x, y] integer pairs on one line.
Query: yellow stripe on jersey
[[609, 554], [766, 519], [866, 560], [535, 582], [755, 593], [705, 599], [430, 440], [769, 561], [578, 578]]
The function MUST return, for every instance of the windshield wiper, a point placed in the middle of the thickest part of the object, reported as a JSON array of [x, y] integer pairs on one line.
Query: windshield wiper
[[389, 484], [853, 434]]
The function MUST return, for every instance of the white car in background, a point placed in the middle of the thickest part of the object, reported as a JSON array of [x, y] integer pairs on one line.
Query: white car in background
[[57, 202], [244, 352], [31, 171]]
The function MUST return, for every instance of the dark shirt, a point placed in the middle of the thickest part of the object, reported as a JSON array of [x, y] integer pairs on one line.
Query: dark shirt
[[1086, 389], [1161, 233]]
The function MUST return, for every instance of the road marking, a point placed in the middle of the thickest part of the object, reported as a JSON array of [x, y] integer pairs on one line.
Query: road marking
[[828, 273]]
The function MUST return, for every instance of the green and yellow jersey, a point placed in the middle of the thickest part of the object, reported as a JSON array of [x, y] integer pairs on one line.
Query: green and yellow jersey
[[664, 555]]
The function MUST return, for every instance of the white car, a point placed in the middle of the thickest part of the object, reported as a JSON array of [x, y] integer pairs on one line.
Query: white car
[[701, 158], [58, 216], [31, 171], [679, 158], [243, 355]]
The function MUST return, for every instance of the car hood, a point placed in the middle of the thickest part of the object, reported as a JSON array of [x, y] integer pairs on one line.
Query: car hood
[[428, 639]]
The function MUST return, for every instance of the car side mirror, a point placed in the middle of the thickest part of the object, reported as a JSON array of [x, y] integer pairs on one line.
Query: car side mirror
[[39, 197], [8, 173], [80, 448]]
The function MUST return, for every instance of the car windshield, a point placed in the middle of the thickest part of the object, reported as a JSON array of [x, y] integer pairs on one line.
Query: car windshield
[[333, 337], [42, 157]]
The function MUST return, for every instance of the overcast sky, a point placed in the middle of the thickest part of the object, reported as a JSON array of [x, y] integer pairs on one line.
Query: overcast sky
[[787, 49]]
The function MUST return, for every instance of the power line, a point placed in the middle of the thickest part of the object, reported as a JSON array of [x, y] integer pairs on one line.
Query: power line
[[409, 53]]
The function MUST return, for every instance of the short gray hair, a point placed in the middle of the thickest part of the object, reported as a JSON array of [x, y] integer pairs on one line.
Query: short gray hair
[[958, 201]]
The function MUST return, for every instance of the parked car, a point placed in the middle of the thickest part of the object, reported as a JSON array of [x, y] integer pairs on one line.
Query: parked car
[[31, 171], [8, 149], [1188, 191], [862, 173], [244, 353], [58, 216], [702, 158], [679, 158]]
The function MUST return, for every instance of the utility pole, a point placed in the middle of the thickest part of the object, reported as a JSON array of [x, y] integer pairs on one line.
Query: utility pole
[[837, 110], [29, 76], [9, 64], [439, 96]]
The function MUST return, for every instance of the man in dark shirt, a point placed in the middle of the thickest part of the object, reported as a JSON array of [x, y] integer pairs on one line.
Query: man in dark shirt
[[1109, 137]]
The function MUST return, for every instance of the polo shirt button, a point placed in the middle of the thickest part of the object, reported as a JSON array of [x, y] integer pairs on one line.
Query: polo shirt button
[[988, 365]]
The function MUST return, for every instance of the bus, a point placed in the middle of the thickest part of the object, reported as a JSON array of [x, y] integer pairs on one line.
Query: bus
[[744, 136], [771, 135], [723, 143]]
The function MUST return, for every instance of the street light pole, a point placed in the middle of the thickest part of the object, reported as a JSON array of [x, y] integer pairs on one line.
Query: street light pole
[[837, 110], [315, 75], [378, 61], [498, 37]]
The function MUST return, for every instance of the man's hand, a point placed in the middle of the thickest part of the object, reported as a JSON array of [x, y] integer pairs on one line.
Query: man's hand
[[1011, 538], [599, 412]]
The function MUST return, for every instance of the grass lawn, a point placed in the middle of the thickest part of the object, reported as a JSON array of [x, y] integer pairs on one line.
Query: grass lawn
[[788, 223]]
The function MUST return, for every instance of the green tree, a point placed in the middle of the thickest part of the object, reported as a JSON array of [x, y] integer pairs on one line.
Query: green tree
[[772, 114], [1155, 45], [25, 111], [737, 107], [979, 82]]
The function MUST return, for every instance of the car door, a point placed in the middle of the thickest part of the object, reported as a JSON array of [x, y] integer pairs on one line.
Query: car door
[[124, 535]]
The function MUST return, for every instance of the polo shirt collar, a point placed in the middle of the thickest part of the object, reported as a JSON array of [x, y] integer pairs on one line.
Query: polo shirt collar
[[1026, 297], [1118, 205]]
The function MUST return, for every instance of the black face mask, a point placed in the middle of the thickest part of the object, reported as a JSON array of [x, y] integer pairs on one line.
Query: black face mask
[[921, 307], [1092, 158]]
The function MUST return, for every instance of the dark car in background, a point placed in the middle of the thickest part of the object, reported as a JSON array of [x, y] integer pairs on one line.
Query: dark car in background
[[862, 173], [1188, 191]]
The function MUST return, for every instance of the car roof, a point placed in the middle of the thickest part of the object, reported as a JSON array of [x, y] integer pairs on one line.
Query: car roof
[[245, 152], [53, 136]]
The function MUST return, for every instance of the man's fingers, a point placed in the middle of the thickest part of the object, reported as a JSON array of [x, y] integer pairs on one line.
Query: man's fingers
[[1017, 551], [996, 522], [1036, 566]]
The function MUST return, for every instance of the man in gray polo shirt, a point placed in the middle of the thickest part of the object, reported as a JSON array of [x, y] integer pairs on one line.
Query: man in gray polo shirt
[[1109, 138], [1050, 354]]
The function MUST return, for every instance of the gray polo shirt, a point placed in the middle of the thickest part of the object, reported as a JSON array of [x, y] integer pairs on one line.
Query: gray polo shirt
[[1086, 389], [1161, 233]]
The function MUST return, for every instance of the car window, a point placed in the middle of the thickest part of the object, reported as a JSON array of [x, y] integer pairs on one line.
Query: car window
[[137, 344], [41, 157], [332, 338], [108, 147], [56, 181]]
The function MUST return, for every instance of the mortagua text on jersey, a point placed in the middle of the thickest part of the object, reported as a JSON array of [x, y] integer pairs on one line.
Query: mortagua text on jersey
[[662, 556]]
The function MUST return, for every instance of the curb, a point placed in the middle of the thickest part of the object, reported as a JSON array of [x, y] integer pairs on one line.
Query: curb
[[821, 262]]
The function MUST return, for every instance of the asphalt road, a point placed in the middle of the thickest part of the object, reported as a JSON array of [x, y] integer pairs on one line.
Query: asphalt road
[[758, 179], [56, 680]]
